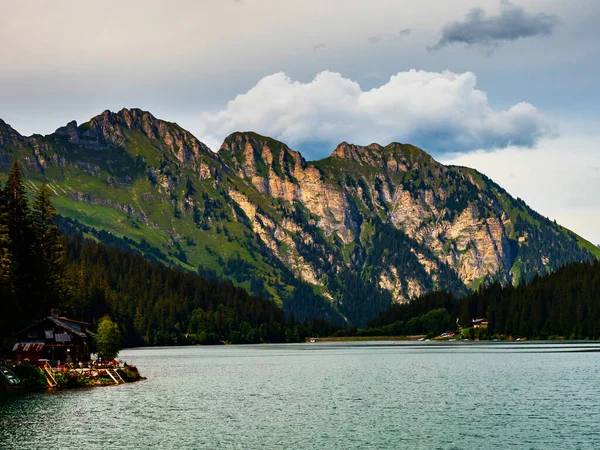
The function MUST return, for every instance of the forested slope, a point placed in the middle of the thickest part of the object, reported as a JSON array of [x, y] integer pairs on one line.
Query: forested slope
[[153, 304], [341, 238], [563, 304]]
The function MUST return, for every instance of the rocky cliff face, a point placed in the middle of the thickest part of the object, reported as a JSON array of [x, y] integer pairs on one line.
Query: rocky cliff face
[[341, 237], [278, 172], [431, 226], [119, 129], [8, 135], [358, 184]]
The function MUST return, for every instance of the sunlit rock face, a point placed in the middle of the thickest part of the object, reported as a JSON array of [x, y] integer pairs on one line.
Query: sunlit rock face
[[365, 227], [454, 217]]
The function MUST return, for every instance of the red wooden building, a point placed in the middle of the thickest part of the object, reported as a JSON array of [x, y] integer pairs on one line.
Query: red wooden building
[[57, 339]]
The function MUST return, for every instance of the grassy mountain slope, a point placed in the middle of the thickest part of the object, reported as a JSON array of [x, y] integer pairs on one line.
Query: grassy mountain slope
[[338, 238]]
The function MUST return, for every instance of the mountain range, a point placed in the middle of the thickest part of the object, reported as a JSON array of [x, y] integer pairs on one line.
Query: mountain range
[[341, 238]]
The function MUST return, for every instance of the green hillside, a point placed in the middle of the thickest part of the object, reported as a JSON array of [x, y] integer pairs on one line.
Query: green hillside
[[339, 238]]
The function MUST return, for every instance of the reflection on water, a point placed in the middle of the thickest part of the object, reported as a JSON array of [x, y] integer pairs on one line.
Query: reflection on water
[[327, 395]]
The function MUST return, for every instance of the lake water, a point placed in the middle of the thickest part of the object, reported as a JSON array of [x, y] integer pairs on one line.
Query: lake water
[[321, 396]]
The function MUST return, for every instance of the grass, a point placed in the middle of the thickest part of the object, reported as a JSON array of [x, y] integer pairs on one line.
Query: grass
[[516, 271], [154, 220], [347, 251], [476, 283]]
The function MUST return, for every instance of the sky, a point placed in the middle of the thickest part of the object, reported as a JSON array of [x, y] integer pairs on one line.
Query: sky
[[509, 88]]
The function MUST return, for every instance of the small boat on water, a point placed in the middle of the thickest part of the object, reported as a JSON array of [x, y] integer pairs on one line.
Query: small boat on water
[[8, 377]]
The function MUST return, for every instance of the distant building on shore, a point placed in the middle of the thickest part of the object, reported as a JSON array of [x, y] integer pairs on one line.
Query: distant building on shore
[[478, 323], [58, 339]]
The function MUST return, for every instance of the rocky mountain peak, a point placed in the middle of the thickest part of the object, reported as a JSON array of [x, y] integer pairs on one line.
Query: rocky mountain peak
[[4, 126], [251, 154], [358, 152], [136, 119], [132, 119], [389, 223], [236, 142], [372, 154], [119, 128], [8, 135], [69, 130], [396, 156], [408, 151]]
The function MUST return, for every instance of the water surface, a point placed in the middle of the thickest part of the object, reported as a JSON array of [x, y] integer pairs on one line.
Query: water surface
[[320, 396]]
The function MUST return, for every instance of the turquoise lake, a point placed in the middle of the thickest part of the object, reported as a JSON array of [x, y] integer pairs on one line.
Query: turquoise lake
[[326, 395]]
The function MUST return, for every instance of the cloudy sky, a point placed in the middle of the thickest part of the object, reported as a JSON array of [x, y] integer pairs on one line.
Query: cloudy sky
[[510, 88]]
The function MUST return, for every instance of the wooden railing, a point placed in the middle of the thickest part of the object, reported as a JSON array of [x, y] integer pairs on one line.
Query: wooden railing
[[49, 374], [115, 376]]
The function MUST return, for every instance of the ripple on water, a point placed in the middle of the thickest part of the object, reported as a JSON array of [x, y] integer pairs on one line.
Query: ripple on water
[[324, 396]]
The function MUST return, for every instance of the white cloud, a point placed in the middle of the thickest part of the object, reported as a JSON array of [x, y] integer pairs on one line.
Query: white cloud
[[437, 111]]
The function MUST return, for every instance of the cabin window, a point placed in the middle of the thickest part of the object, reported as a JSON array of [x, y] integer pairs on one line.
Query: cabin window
[[62, 337]]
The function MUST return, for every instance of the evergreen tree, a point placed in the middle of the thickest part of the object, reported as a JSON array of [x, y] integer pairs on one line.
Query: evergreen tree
[[5, 253], [49, 251], [7, 299], [18, 223], [564, 304]]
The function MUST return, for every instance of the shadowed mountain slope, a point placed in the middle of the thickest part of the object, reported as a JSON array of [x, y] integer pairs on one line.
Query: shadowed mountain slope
[[340, 238]]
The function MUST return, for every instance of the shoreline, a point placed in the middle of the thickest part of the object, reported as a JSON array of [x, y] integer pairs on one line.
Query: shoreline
[[404, 339], [371, 338], [29, 377], [383, 339]]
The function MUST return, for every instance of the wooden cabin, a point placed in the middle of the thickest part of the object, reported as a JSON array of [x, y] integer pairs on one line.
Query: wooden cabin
[[57, 339]]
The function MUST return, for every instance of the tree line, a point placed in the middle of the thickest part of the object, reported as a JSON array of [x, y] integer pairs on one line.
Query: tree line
[[431, 315], [41, 269], [32, 257], [563, 304]]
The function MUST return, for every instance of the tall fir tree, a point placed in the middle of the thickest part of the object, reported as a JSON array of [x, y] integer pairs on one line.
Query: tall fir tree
[[7, 298], [5, 253], [21, 246], [50, 255]]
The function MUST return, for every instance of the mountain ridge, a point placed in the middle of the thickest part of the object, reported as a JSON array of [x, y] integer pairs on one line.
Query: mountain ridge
[[353, 232]]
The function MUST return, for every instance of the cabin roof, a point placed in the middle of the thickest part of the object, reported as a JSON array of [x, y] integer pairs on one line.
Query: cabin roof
[[28, 347], [74, 321], [64, 323]]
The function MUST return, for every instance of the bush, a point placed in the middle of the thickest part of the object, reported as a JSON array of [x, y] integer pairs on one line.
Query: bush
[[71, 379], [30, 375], [129, 373], [108, 339], [61, 378]]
